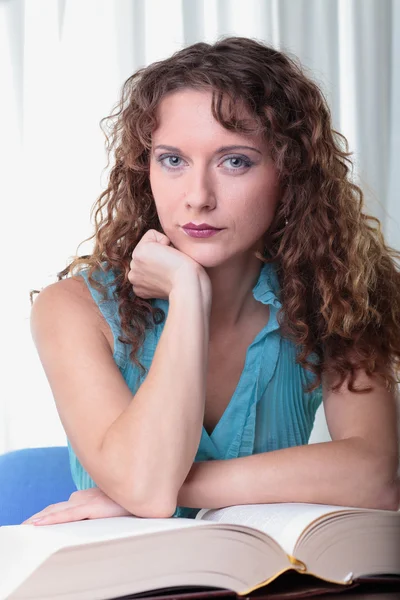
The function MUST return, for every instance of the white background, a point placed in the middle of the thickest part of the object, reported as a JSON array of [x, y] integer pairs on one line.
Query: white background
[[62, 65]]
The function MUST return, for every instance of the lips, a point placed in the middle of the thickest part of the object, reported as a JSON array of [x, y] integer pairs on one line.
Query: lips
[[201, 227]]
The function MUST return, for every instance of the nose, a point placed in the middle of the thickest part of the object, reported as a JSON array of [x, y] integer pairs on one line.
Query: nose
[[199, 192]]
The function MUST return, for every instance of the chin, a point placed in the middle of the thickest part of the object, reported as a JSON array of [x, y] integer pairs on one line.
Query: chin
[[205, 256], [209, 263], [209, 257]]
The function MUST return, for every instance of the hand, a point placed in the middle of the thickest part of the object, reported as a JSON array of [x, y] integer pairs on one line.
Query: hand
[[83, 504], [156, 266]]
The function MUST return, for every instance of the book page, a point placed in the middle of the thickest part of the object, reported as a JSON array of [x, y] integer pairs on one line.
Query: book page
[[283, 522], [92, 530], [23, 548]]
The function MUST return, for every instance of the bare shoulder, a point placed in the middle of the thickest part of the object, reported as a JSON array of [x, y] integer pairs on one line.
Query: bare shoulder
[[69, 297]]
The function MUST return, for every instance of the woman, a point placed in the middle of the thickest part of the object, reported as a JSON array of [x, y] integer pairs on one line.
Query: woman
[[229, 205]]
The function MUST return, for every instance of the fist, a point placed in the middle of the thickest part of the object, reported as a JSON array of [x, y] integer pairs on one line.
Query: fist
[[156, 266]]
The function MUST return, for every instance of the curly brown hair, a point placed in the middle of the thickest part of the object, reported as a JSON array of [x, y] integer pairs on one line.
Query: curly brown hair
[[340, 289]]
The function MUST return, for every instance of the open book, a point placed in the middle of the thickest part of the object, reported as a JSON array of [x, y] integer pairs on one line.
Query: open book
[[239, 548]]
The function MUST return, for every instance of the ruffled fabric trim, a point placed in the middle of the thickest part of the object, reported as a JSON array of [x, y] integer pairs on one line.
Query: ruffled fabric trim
[[267, 287], [109, 310]]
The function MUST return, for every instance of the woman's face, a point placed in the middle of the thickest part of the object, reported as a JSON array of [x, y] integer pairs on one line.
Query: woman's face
[[198, 180]]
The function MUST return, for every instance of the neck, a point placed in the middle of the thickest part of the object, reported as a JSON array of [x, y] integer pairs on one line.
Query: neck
[[232, 298]]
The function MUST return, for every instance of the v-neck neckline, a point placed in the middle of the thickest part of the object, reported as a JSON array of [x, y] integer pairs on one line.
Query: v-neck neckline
[[234, 398]]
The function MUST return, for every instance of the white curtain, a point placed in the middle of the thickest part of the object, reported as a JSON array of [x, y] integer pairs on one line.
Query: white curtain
[[62, 65]]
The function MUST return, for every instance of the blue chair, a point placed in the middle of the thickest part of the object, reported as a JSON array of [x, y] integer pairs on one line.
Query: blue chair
[[31, 479]]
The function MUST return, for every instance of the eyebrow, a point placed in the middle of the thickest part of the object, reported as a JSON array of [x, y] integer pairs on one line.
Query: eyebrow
[[219, 151]]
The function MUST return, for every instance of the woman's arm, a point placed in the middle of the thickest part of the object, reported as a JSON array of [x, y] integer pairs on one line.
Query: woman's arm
[[342, 473], [138, 449], [358, 468], [156, 438]]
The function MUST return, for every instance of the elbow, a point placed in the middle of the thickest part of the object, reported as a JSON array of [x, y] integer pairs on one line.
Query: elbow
[[389, 496], [149, 502], [389, 482], [143, 502], [384, 498], [134, 492], [385, 486], [374, 483], [151, 508], [149, 511]]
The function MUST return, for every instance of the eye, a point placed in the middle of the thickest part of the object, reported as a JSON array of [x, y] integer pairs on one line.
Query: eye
[[246, 162], [174, 166], [164, 157]]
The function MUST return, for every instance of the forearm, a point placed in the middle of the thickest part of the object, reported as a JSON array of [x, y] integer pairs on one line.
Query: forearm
[[154, 441], [341, 472]]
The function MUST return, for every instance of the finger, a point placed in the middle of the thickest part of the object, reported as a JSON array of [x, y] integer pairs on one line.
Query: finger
[[76, 498], [45, 511], [52, 508], [79, 513], [65, 515], [155, 236]]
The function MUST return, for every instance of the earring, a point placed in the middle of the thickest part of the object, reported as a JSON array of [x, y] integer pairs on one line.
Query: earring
[[286, 221]]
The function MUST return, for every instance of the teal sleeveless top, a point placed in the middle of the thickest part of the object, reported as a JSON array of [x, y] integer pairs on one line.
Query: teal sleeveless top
[[268, 409]]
